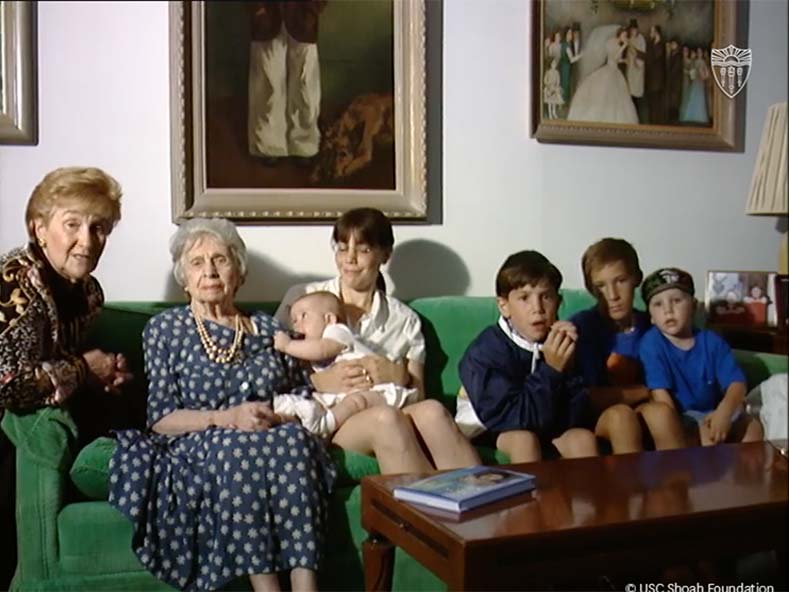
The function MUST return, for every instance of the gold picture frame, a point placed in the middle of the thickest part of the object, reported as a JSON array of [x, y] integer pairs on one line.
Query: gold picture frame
[[726, 25], [194, 192], [18, 100]]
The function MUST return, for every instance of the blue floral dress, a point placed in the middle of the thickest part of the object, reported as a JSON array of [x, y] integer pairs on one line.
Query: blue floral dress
[[212, 505]]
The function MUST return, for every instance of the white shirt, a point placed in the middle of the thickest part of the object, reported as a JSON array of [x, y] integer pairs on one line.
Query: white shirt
[[390, 329], [341, 333]]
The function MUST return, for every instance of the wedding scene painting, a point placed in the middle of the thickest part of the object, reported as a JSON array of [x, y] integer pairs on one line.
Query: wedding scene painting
[[628, 62], [633, 72]]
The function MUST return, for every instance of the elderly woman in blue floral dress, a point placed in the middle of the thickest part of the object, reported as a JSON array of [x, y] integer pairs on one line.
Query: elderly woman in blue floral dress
[[220, 486]]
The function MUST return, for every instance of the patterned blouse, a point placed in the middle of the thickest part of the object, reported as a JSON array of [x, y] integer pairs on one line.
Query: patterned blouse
[[43, 319]]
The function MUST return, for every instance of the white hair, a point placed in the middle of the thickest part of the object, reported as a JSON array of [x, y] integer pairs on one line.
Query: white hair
[[192, 230]]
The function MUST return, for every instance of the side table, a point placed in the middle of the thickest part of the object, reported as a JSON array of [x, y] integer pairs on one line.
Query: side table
[[763, 339]]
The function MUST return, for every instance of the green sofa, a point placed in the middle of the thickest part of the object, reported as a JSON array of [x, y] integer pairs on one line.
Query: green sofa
[[71, 539]]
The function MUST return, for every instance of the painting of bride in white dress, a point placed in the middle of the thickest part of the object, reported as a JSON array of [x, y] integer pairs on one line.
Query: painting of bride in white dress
[[603, 94], [623, 80]]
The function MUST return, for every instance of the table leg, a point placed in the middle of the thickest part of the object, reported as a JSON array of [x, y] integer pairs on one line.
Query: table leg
[[378, 556]]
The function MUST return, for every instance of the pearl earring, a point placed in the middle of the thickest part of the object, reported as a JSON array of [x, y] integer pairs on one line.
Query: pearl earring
[[42, 243]]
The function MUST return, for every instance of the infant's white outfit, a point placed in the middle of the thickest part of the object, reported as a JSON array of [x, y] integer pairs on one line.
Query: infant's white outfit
[[312, 412]]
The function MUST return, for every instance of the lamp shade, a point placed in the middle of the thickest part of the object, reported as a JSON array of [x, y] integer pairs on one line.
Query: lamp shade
[[768, 185]]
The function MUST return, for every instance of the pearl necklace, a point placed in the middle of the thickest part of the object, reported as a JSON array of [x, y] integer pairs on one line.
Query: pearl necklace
[[215, 353]]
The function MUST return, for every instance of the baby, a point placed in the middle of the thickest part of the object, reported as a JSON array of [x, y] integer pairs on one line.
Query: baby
[[319, 317]]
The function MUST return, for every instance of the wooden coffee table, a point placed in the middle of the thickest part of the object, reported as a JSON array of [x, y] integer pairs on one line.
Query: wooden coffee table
[[588, 517]]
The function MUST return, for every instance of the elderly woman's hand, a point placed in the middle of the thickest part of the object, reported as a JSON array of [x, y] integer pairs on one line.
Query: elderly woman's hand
[[251, 416], [109, 369]]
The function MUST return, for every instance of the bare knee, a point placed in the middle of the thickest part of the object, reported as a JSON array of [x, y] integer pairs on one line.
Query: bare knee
[[387, 420], [391, 432], [429, 413], [621, 415], [748, 429], [664, 425], [660, 418], [619, 425], [520, 446], [618, 419], [657, 414], [754, 431], [575, 443]]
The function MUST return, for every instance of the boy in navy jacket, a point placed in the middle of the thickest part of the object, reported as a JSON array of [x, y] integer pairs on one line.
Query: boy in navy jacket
[[519, 391]]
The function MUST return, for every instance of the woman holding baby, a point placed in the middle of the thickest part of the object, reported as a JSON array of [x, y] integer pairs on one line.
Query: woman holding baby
[[220, 486], [363, 241]]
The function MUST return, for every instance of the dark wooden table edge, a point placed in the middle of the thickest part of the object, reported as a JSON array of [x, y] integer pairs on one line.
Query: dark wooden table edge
[[402, 527]]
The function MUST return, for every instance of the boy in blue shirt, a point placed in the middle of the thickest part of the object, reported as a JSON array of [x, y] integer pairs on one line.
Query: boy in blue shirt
[[609, 335], [689, 369], [518, 389]]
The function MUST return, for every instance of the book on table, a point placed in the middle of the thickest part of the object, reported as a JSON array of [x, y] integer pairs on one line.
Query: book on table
[[464, 489]]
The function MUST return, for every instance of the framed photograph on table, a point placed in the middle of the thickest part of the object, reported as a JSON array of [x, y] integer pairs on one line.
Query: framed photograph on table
[[297, 111], [18, 100], [741, 298], [782, 302], [636, 73]]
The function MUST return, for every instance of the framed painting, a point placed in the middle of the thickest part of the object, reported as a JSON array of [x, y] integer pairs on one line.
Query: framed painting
[[18, 108], [295, 112], [637, 73]]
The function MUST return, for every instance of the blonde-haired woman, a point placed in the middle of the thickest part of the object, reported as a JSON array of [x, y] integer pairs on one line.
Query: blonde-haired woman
[[47, 300]]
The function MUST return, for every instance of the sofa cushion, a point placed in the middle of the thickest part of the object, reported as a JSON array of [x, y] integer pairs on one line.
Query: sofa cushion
[[90, 471], [449, 324]]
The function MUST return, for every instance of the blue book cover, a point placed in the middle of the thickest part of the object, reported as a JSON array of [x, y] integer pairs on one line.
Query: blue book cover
[[464, 489]]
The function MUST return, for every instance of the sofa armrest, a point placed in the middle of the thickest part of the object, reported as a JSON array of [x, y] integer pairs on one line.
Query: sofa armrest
[[45, 436], [759, 366], [43, 441]]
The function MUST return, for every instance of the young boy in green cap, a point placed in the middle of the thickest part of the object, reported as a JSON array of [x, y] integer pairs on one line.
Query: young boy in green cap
[[689, 369]]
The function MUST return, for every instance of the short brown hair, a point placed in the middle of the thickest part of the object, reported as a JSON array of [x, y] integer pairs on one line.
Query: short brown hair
[[526, 268], [328, 301], [89, 185], [369, 225], [609, 250]]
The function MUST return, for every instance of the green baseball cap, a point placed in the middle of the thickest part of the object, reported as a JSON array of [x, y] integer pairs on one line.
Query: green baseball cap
[[665, 279]]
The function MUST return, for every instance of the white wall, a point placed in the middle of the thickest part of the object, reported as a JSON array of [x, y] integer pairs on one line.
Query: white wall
[[103, 100]]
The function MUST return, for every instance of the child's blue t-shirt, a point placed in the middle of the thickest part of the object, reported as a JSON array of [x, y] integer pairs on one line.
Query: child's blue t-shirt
[[696, 378], [599, 342]]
